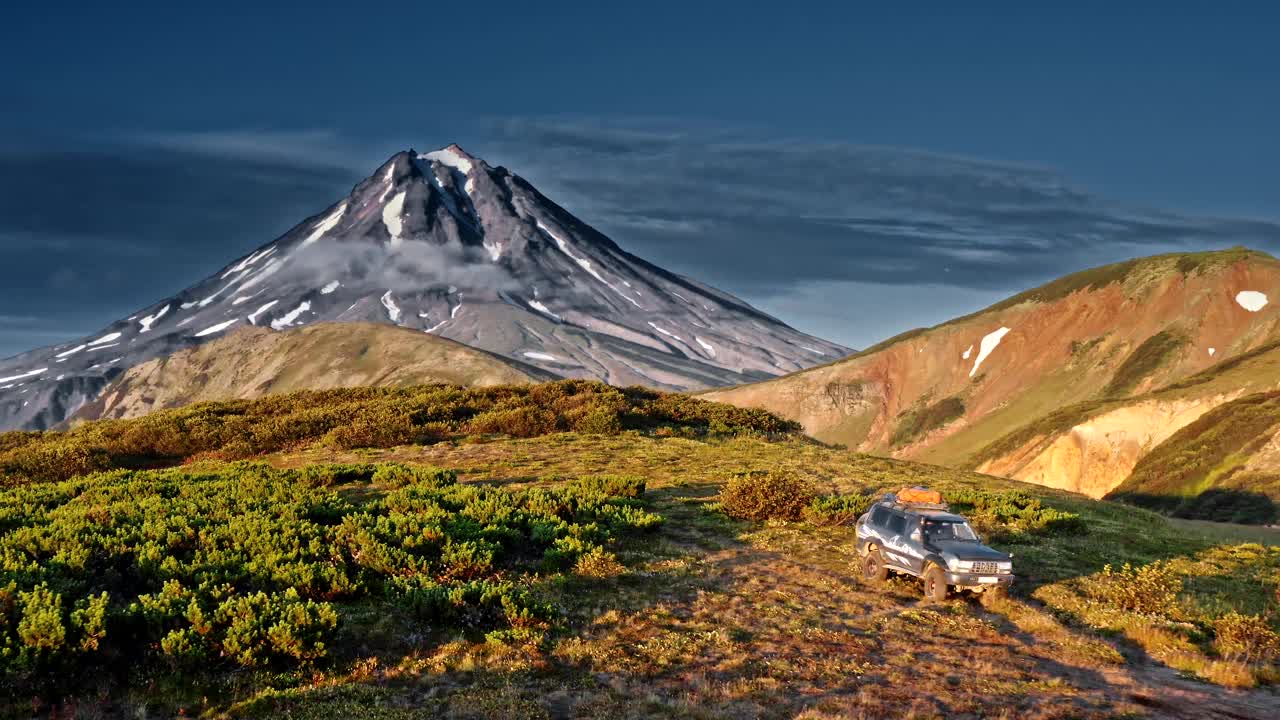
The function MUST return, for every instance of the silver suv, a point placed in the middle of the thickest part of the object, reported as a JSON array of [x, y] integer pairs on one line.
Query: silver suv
[[927, 541]]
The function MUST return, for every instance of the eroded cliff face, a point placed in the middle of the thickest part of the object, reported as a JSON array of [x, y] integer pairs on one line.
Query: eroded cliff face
[[948, 394], [1094, 457]]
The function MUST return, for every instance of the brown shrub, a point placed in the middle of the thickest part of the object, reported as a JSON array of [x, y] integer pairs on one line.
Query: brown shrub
[[767, 496]]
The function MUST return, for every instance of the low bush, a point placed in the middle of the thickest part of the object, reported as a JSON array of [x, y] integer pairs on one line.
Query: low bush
[[837, 509], [1150, 589], [248, 565], [766, 496], [350, 418], [626, 486], [1246, 638], [1012, 516]]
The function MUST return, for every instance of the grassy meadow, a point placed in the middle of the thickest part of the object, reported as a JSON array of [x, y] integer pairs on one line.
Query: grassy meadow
[[572, 551]]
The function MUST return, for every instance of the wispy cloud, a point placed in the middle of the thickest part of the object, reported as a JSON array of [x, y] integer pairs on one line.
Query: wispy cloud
[[301, 148], [764, 215]]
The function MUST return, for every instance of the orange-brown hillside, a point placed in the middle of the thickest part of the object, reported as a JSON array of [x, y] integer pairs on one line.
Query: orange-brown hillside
[[1095, 340]]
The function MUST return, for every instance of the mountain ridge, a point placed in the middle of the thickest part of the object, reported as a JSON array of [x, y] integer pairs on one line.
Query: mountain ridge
[[1049, 360], [443, 243]]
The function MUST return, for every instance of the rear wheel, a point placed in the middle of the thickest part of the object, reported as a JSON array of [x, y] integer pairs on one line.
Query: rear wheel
[[935, 584], [873, 569]]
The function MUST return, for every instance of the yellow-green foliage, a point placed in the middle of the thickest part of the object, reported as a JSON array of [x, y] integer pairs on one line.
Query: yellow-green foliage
[[1171, 477], [766, 496], [249, 565], [366, 417], [1248, 638], [1147, 590]]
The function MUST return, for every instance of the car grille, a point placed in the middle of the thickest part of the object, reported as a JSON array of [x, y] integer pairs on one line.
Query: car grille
[[986, 567]]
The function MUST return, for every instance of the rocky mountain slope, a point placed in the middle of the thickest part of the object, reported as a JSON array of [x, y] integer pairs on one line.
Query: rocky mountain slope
[[443, 243], [252, 362], [1067, 385]]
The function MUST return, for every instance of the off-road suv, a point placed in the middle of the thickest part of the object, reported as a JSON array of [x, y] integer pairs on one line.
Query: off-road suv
[[927, 541]]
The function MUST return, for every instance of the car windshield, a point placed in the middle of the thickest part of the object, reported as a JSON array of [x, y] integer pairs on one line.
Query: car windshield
[[936, 530]]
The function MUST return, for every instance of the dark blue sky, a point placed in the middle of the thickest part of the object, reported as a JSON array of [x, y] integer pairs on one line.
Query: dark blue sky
[[908, 163]]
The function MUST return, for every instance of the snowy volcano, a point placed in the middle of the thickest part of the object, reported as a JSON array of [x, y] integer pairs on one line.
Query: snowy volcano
[[444, 243]]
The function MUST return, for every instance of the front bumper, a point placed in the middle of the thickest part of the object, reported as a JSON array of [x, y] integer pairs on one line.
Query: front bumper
[[976, 580]]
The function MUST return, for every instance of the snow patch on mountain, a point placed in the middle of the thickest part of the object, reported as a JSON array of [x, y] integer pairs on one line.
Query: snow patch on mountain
[[1251, 300], [253, 317], [711, 349], [330, 287], [668, 333], [22, 376], [287, 319], [217, 328], [989, 343], [965, 355], [583, 262], [150, 320], [542, 309], [541, 356], [392, 214], [110, 337], [325, 226], [450, 157], [393, 310]]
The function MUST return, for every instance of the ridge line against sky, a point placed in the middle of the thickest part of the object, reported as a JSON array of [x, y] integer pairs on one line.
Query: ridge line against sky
[[897, 237]]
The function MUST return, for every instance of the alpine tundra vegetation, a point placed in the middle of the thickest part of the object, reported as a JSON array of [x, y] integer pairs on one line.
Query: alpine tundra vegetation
[[572, 549]]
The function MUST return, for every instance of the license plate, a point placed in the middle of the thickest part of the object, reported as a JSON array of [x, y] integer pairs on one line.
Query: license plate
[[988, 581]]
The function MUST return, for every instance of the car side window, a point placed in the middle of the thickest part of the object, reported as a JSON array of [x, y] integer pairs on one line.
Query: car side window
[[897, 524], [879, 516]]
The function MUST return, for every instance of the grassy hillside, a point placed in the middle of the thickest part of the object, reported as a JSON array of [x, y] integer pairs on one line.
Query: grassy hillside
[[363, 417], [1203, 471], [254, 362], [586, 574]]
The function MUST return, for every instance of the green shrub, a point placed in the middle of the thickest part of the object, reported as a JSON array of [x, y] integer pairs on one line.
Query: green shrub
[[1012, 516], [248, 565], [599, 563], [837, 509], [1151, 589], [766, 496], [624, 486]]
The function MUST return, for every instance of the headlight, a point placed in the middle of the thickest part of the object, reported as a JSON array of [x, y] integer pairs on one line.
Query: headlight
[[1005, 566], [959, 565]]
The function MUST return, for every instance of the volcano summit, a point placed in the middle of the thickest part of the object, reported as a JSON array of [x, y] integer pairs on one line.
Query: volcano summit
[[444, 243]]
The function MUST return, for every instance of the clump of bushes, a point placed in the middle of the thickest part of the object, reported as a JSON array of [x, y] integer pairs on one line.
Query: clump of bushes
[[1012, 516], [1246, 638], [1150, 589], [349, 418], [837, 509], [248, 565], [766, 496]]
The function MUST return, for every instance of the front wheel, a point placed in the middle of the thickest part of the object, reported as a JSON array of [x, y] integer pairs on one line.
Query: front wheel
[[935, 584], [873, 569]]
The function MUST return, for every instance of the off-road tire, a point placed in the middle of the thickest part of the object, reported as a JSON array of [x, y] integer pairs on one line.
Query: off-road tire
[[873, 567], [935, 583]]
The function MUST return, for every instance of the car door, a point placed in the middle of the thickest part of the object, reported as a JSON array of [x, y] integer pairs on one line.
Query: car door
[[895, 546]]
